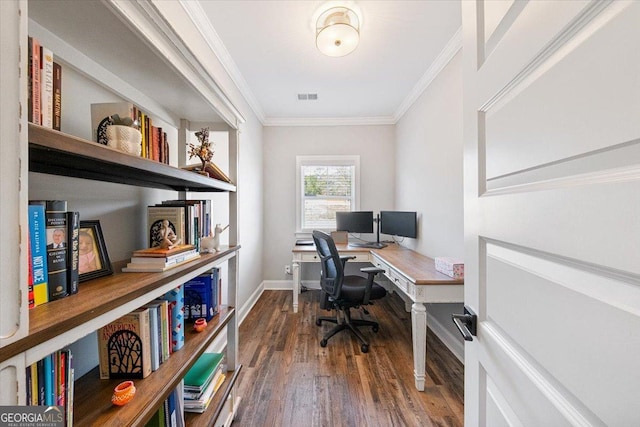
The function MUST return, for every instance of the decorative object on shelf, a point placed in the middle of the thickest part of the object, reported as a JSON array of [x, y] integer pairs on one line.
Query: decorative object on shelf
[[123, 136], [93, 259], [203, 150], [216, 237], [200, 324], [166, 236], [337, 31], [123, 393]]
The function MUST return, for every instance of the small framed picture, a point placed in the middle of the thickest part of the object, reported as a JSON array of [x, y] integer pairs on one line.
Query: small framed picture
[[93, 260]]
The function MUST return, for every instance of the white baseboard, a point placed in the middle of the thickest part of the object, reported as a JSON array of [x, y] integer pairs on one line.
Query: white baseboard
[[248, 305], [287, 285], [448, 339]]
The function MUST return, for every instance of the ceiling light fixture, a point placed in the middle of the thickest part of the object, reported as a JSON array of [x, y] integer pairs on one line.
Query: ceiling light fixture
[[337, 31]]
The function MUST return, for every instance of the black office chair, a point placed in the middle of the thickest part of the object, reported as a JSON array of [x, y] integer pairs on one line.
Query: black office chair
[[342, 292]]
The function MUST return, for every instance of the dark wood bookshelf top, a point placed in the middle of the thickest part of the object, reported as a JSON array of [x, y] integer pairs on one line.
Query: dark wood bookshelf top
[[97, 297], [57, 153], [92, 396]]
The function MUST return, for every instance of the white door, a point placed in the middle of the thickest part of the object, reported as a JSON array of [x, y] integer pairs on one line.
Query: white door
[[552, 212]]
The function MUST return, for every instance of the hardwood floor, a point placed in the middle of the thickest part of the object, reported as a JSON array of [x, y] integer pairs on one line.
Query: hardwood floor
[[287, 379]]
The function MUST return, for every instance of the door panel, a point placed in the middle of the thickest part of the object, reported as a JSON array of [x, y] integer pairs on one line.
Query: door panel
[[552, 212]]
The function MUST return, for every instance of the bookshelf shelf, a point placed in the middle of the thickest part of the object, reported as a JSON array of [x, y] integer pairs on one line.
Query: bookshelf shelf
[[92, 404], [105, 299], [56, 153]]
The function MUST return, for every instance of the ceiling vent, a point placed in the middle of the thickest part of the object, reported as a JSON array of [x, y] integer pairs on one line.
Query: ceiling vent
[[307, 97]]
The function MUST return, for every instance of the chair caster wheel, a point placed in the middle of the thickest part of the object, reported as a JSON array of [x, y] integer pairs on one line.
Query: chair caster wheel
[[375, 329], [318, 322], [364, 348], [323, 343]]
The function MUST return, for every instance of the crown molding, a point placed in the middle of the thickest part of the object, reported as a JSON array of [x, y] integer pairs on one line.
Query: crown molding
[[448, 52], [328, 121], [204, 26]]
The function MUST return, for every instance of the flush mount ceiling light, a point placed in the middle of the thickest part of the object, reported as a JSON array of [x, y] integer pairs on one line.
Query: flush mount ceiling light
[[337, 31]]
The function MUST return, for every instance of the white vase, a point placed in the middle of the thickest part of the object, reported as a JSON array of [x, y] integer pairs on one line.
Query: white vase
[[125, 139]]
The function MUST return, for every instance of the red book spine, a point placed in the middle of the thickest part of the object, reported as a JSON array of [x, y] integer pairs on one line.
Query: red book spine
[[57, 95]]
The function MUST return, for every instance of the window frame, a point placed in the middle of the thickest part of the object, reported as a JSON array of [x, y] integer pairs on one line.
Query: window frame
[[324, 160]]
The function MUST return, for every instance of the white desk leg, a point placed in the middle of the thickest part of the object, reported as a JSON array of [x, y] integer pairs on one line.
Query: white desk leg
[[419, 333], [296, 284]]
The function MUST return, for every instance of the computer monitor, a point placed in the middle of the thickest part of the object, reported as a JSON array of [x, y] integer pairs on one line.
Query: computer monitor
[[355, 222], [396, 223]]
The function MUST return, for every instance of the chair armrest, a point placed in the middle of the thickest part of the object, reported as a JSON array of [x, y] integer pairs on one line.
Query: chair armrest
[[371, 272], [344, 259]]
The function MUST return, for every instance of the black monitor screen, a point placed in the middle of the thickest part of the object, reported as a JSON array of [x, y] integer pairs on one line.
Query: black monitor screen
[[396, 223], [355, 222]]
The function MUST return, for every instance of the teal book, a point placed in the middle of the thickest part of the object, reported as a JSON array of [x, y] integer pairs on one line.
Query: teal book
[[203, 370]]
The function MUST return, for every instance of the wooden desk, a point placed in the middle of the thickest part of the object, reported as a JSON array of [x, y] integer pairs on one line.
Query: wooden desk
[[412, 274]]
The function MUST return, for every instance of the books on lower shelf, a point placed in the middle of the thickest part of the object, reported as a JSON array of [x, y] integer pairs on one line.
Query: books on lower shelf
[[202, 381], [50, 382]]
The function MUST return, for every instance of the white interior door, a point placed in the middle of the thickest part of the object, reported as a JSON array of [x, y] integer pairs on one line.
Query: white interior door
[[552, 212]]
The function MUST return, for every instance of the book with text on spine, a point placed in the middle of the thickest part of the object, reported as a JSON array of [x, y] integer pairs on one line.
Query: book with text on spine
[[46, 86], [124, 346], [38, 259]]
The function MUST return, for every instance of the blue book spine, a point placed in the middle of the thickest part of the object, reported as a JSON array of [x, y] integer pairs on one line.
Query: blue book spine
[[49, 373], [38, 242], [175, 297]]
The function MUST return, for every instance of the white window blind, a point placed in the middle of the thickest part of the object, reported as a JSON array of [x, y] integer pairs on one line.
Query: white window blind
[[326, 184]]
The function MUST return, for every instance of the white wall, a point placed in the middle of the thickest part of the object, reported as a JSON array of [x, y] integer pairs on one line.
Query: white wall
[[429, 179], [374, 144]]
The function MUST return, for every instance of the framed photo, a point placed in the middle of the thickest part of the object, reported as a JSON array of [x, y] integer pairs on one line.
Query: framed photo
[[93, 260]]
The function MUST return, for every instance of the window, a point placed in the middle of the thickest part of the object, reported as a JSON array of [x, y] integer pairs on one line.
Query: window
[[325, 185]]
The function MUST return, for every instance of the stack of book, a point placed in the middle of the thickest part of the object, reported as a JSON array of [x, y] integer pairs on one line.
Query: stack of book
[[45, 86], [203, 381], [160, 259]]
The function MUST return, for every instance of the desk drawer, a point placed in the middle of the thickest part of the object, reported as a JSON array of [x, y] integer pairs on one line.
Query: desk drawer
[[399, 280], [377, 262], [310, 257]]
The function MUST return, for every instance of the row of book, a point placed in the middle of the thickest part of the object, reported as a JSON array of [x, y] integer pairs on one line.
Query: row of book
[[45, 86], [190, 220], [155, 145], [203, 380], [139, 342], [157, 259], [171, 412], [49, 382], [54, 251]]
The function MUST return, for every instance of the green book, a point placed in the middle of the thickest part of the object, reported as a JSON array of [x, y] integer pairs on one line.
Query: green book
[[202, 371]]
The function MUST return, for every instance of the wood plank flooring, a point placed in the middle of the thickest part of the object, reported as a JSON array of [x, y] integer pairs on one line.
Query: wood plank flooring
[[287, 379]]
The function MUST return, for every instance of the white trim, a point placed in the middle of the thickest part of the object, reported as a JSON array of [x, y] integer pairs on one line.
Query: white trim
[[251, 301], [446, 55], [204, 26], [451, 341], [329, 121]]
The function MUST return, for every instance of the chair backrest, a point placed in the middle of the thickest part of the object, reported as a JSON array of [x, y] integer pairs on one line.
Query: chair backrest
[[332, 273]]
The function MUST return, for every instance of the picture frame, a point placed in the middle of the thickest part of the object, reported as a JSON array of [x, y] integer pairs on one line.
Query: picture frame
[[93, 259]]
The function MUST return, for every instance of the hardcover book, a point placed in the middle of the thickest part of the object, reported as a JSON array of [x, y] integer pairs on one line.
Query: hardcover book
[[57, 95], [156, 215], [73, 252], [34, 81], [38, 243], [56, 229], [200, 297], [46, 86], [175, 298], [124, 346]]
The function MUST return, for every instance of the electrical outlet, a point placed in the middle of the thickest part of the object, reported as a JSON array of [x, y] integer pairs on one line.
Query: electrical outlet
[[287, 269]]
